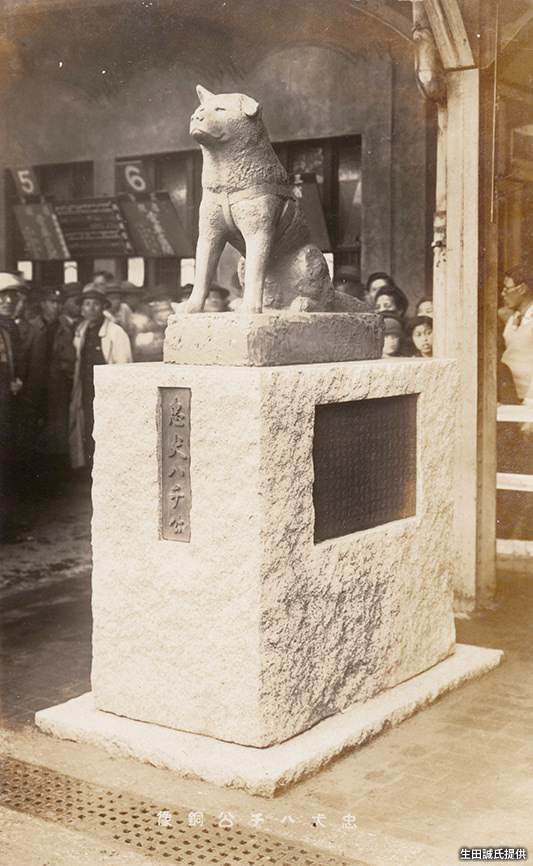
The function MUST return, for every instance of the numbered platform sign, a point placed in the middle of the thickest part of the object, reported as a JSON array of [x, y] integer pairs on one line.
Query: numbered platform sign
[[25, 181], [131, 177]]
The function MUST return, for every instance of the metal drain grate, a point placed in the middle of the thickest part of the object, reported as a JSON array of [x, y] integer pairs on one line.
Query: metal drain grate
[[123, 820]]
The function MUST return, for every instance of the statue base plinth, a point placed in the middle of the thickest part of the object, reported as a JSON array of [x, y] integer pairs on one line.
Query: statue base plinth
[[272, 339], [264, 772]]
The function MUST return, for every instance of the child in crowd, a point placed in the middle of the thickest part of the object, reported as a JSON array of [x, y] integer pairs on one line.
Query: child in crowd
[[420, 330], [394, 335], [391, 299], [425, 306]]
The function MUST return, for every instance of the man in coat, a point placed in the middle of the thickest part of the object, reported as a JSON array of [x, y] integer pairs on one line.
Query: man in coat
[[97, 340], [55, 334]]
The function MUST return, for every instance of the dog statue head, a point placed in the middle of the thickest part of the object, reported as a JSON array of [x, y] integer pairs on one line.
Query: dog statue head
[[224, 117]]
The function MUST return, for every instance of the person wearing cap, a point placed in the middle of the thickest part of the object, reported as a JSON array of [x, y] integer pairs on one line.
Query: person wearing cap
[[10, 292], [27, 362], [97, 340], [393, 335], [347, 280], [55, 333]]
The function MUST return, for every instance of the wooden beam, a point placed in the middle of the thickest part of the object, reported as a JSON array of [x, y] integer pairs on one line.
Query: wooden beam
[[450, 34], [514, 481], [518, 413], [514, 547]]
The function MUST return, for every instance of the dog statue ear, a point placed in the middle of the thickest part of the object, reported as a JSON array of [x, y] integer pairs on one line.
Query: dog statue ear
[[203, 93], [250, 107]]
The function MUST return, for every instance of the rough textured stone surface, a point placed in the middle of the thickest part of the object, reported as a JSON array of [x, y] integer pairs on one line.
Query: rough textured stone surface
[[264, 771], [252, 633], [270, 340]]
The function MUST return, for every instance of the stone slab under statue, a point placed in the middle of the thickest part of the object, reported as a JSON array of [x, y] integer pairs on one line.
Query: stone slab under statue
[[273, 536], [270, 339]]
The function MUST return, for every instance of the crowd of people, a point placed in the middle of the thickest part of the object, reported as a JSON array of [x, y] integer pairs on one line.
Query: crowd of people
[[404, 336], [51, 338]]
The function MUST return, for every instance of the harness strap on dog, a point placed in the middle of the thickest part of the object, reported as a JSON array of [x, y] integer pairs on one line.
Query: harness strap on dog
[[225, 200], [282, 189]]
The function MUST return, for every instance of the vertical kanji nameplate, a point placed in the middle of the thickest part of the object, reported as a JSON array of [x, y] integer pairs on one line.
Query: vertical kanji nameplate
[[175, 487]]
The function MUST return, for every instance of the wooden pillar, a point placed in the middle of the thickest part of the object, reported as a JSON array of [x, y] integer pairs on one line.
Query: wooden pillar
[[465, 306], [456, 307]]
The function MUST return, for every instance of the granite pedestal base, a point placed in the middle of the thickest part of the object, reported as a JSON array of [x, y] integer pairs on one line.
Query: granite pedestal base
[[264, 772], [296, 590]]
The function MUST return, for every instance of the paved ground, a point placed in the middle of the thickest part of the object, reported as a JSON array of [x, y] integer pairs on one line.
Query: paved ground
[[457, 774]]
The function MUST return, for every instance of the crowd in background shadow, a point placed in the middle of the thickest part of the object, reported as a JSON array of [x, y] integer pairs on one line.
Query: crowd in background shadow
[[52, 337]]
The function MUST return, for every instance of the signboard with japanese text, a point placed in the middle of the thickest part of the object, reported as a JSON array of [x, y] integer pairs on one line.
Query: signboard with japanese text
[[94, 228], [41, 231], [155, 227], [175, 486]]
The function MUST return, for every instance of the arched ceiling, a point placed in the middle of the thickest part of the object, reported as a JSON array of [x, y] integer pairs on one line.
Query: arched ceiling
[[97, 45]]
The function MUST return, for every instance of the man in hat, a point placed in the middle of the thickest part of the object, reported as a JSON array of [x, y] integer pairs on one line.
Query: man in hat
[[55, 334], [98, 340]]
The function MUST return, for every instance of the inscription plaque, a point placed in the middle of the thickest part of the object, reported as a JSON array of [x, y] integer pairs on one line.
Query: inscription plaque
[[364, 458], [175, 463]]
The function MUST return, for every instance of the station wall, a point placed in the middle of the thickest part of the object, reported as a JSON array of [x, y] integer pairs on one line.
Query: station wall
[[307, 91]]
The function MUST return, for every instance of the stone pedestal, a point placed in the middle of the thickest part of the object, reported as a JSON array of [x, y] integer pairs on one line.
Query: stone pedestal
[[253, 631], [273, 551]]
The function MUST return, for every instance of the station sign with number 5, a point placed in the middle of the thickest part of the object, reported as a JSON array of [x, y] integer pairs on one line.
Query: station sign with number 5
[[26, 182]]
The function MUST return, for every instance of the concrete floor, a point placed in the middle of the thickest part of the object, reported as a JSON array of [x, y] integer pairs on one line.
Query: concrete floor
[[456, 775]]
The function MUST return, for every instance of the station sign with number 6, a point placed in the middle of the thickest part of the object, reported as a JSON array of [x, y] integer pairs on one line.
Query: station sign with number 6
[[131, 177]]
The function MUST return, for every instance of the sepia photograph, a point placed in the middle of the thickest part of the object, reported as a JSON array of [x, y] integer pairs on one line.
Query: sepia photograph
[[266, 432]]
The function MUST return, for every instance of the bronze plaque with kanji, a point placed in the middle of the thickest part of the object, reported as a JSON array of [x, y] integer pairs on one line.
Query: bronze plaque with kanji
[[364, 456], [175, 463]]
